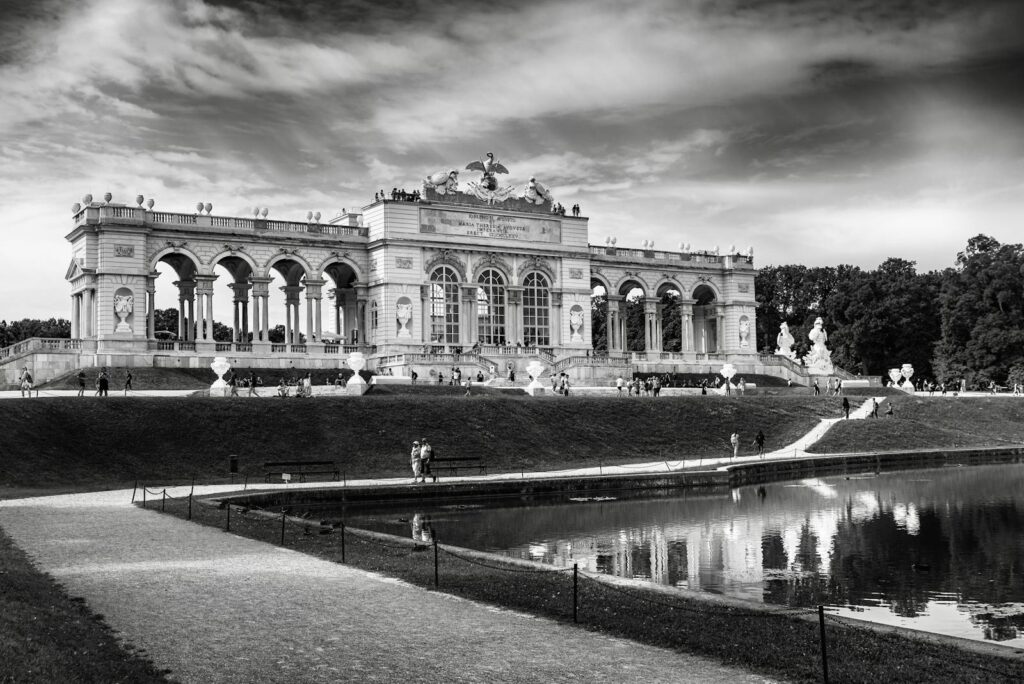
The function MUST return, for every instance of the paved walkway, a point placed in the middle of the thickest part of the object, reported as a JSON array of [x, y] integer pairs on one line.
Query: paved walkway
[[215, 607]]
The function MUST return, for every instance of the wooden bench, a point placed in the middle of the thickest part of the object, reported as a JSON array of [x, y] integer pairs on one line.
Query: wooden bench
[[299, 469], [453, 463]]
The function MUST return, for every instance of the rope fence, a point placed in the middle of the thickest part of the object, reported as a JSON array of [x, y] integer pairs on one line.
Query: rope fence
[[590, 594]]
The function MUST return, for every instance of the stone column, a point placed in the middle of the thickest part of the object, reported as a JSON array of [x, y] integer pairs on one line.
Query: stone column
[[314, 312], [686, 323], [556, 319], [425, 328], [186, 299], [720, 346], [204, 287], [514, 319], [291, 299], [652, 342], [613, 324], [241, 301], [151, 307], [468, 330], [362, 297], [260, 316], [76, 313]]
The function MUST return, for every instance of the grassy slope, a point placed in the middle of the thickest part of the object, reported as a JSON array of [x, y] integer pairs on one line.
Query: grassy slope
[[47, 636], [89, 442], [923, 422]]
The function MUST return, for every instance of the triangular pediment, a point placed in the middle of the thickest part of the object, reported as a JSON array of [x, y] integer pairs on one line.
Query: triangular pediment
[[75, 270]]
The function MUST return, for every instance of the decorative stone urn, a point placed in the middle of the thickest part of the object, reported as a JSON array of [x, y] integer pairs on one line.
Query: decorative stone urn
[[728, 372], [356, 385], [535, 368], [220, 366], [895, 375], [907, 371], [404, 315]]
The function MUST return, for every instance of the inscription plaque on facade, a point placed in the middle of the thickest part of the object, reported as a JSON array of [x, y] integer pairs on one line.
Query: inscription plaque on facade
[[473, 224], [124, 250]]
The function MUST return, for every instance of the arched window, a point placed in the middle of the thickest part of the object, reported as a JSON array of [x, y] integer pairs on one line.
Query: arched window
[[490, 307], [444, 306], [536, 311]]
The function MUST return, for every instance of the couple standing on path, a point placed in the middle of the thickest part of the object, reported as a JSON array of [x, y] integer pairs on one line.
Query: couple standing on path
[[421, 455], [734, 440]]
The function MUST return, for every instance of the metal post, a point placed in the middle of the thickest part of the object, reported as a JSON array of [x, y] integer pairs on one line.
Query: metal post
[[190, 505], [575, 591], [282, 526], [163, 500], [342, 542], [134, 489], [436, 578], [143, 496], [227, 526], [824, 651]]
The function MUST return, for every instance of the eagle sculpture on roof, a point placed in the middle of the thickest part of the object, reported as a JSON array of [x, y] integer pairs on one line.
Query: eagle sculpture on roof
[[488, 167]]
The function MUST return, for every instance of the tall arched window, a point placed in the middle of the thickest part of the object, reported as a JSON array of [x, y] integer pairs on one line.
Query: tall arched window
[[536, 311], [444, 306], [374, 321], [490, 307]]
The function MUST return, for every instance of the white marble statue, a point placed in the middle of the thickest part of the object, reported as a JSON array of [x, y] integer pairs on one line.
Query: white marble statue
[[536, 193], [785, 342], [744, 333], [819, 359], [442, 182]]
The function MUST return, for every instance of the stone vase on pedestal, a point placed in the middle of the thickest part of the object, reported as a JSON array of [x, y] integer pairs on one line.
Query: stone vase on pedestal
[[535, 388], [220, 366], [356, 385]]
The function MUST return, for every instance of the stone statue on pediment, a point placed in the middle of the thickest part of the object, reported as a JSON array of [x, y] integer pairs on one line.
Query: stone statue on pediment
[[442, 182]]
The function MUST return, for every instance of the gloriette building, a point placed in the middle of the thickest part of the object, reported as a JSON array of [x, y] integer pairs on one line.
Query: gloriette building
[[472, 272]]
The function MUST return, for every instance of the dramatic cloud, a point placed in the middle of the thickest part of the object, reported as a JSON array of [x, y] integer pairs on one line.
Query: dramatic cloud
[[817, 132]]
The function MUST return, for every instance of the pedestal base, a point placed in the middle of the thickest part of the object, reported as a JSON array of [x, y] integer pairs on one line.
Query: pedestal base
[[220, 391], [356, 389], [535, 389]]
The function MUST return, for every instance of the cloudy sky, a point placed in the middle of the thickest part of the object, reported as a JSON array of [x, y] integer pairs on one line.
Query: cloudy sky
[[819, 132]]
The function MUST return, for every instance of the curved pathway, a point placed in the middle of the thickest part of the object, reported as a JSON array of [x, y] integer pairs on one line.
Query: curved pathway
[[215, 607]]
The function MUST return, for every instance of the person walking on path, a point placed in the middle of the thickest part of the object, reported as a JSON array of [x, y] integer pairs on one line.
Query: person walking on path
[[26, 382], [417, 464], [81, 382], [127, 381], [759, 443], [619, 382], [735, 441], [846, 407], [252, 384], [817, 389], [426, 456], [874, 407], [888, 410], [102, 383]]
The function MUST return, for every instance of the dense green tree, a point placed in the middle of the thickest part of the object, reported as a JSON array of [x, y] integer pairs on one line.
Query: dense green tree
[[982, 303], [16, 331], [599, 322], [635, 339], [671, 322]]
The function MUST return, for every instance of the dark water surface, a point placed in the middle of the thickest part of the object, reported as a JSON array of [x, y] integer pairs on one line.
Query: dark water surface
[[938, 550]]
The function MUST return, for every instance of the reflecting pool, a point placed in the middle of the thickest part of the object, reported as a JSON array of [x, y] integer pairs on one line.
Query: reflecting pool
[[939, 550]]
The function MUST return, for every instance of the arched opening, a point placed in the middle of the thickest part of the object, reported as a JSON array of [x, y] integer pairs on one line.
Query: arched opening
[[490, 308], [174, 298], [633, 316], [343, 324], [231, 297], [705, 320], [536, 310], [444, 306], [599, 317], [292, 274], [670, 318]]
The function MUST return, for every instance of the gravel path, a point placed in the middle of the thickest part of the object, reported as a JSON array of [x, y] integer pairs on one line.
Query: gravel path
[[214, 607]]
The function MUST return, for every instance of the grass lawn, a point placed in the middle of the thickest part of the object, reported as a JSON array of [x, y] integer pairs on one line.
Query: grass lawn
[[47, 636], [70, 442], [931, 422]]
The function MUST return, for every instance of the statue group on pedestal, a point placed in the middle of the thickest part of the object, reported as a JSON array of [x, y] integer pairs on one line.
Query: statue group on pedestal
[[446, 182], [819, 359]]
